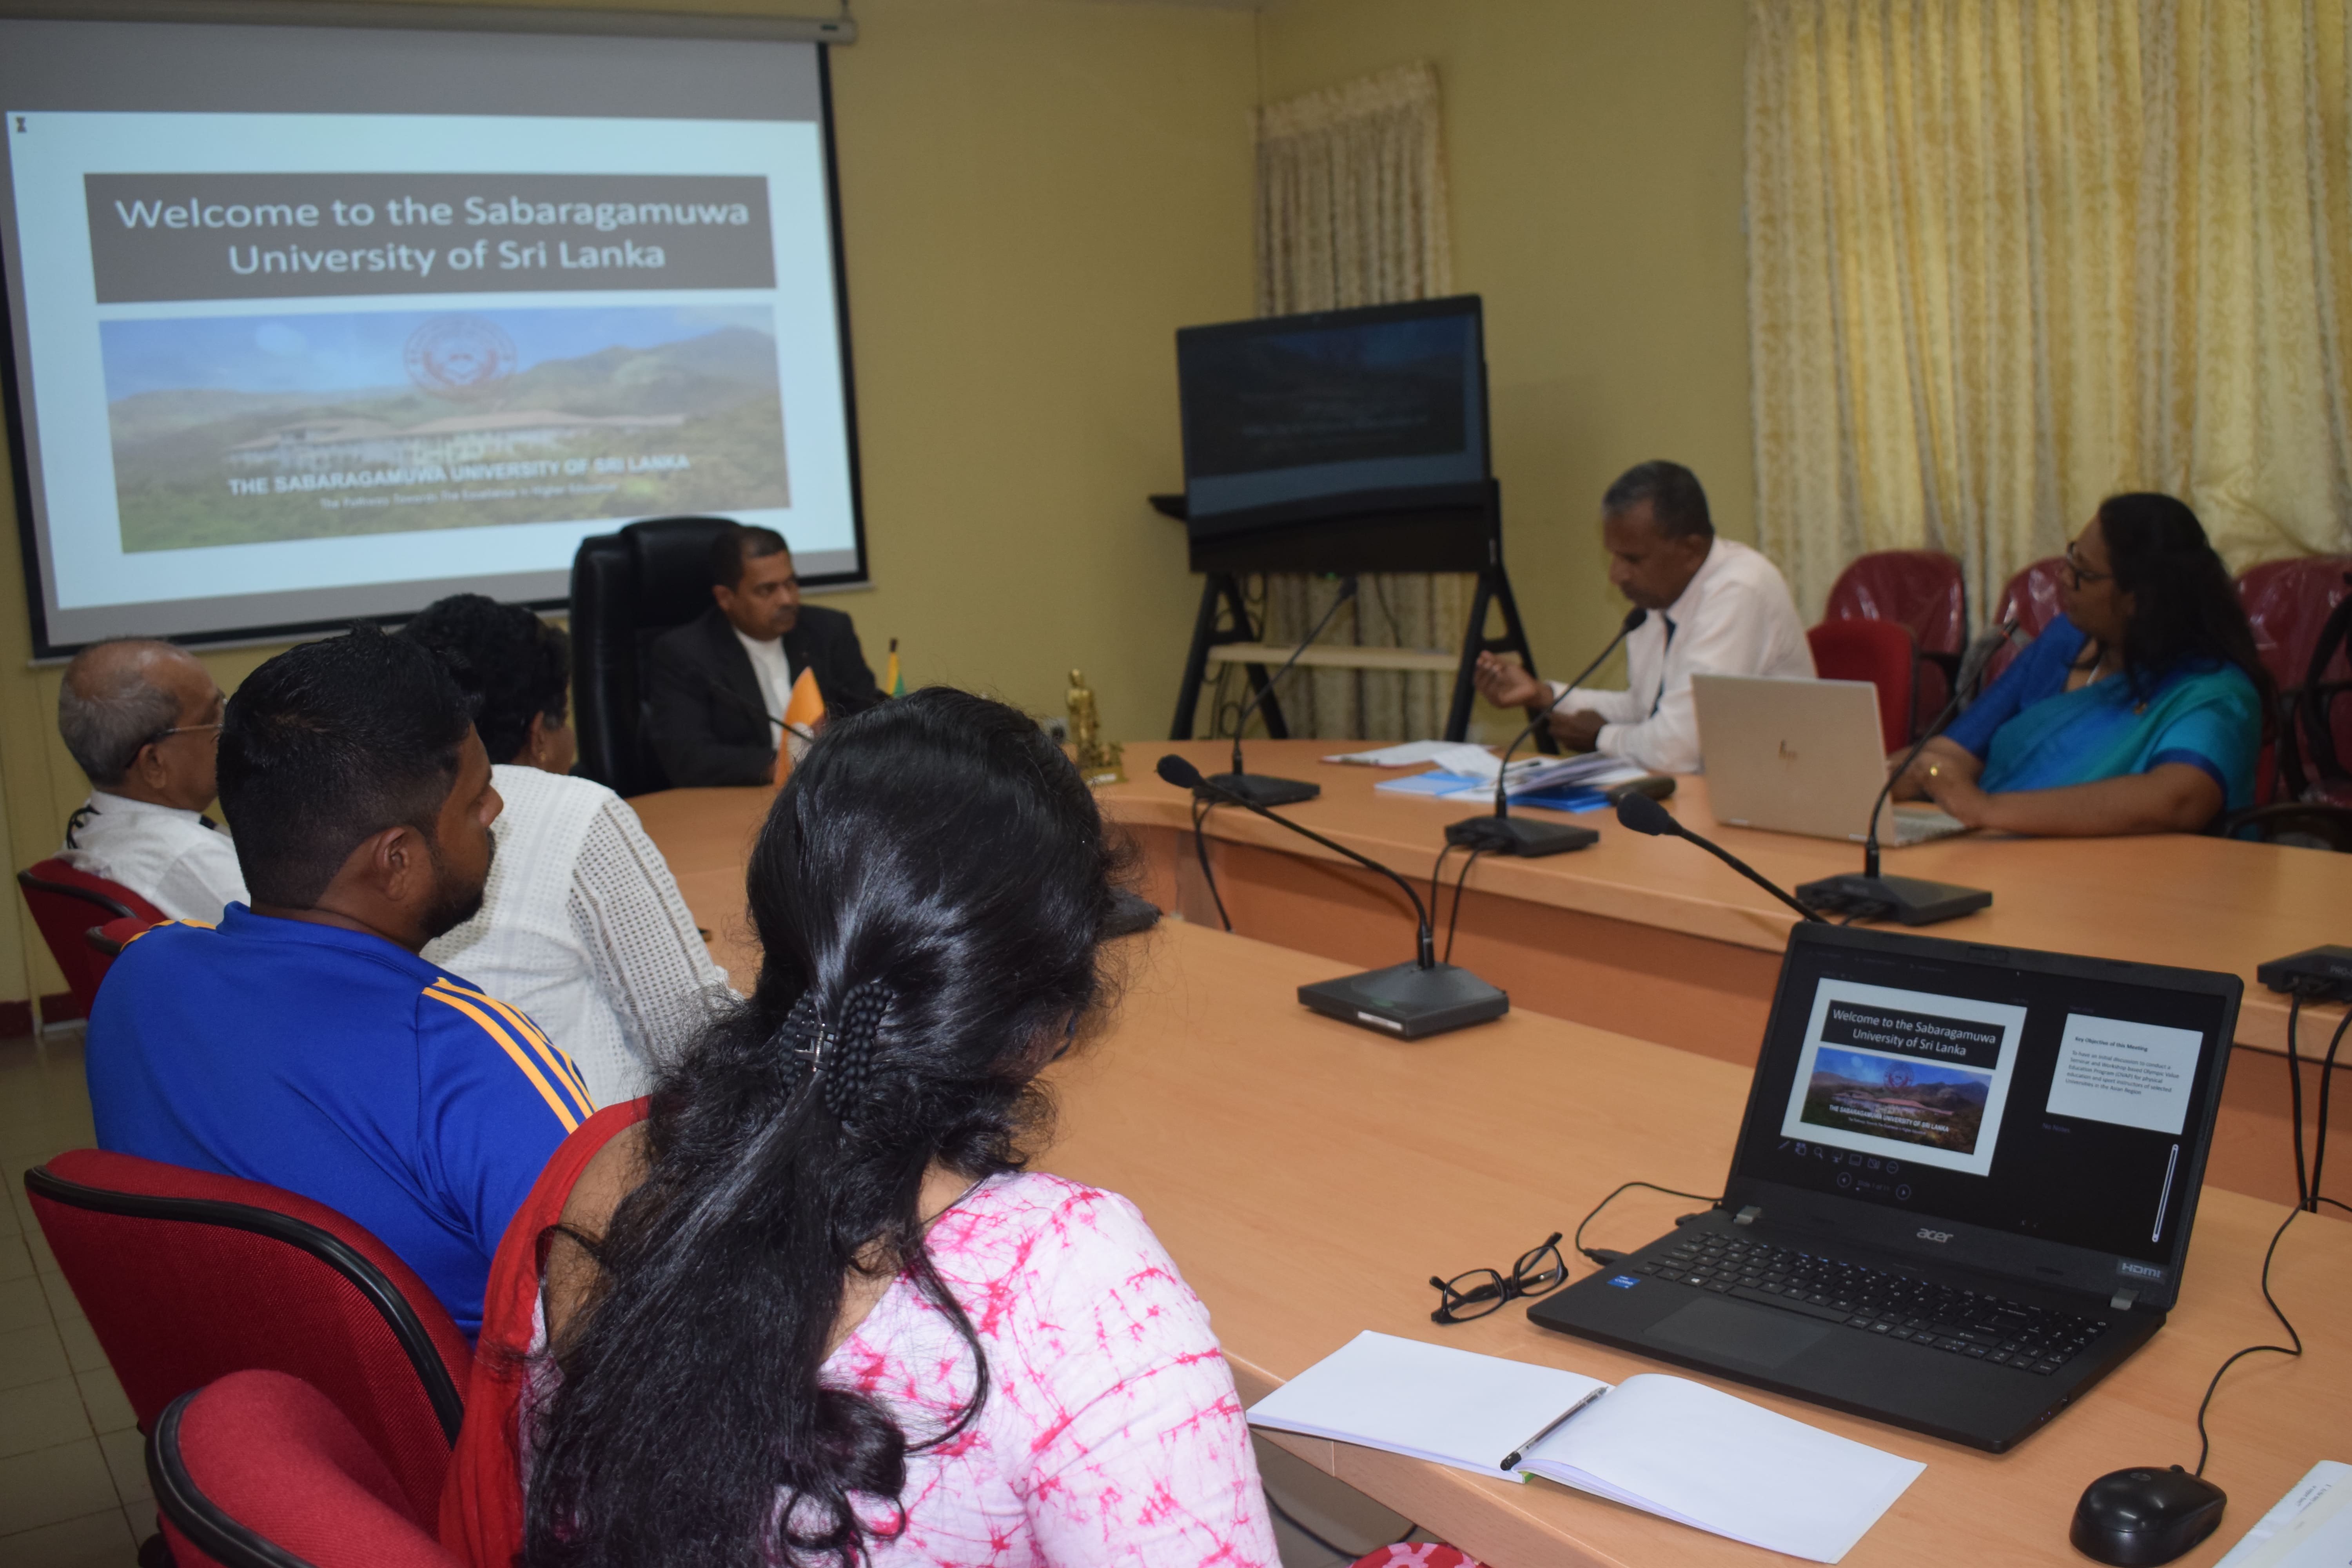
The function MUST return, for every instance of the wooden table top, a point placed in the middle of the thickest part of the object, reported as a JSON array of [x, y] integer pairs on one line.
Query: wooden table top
[[1308, 1177], [2176, 899]]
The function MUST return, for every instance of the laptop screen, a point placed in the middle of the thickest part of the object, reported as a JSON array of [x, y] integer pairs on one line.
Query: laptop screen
[[2063, 1099]]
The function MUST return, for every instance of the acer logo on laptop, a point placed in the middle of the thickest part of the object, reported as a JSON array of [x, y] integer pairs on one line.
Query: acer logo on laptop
[[1938, 1237]]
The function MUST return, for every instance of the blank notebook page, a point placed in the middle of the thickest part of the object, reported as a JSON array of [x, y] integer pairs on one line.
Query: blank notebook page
[[1686, 1451]]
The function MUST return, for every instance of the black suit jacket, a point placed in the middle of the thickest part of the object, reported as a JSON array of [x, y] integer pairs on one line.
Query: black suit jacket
[[703, 711]]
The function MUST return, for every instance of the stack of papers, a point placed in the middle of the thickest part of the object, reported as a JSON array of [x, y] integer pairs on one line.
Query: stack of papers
[[1666, 1445], [1562, 783], [2311, 1527]]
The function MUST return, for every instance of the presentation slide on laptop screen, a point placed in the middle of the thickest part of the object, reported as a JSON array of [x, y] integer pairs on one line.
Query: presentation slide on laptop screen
[[2046, 1105], [1906, 1074]]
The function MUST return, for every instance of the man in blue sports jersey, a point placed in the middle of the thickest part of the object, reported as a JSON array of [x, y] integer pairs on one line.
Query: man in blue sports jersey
[[303, 1042]]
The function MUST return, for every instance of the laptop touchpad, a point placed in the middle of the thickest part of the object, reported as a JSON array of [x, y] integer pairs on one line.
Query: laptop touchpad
[[1751, 1334]]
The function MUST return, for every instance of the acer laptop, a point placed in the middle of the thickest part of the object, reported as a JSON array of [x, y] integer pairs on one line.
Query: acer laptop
[[1803, 756], [1962, 1190]]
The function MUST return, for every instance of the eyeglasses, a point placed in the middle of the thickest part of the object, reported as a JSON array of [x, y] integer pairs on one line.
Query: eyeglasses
[[2082, 573], [1482, 1290], [162, 735]]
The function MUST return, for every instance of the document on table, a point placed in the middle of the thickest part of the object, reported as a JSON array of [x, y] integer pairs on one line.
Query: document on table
[[1410, 754], [1665, 1445], [2311, 1527]]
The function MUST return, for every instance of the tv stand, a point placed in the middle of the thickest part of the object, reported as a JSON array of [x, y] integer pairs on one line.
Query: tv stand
[[1460, 533]]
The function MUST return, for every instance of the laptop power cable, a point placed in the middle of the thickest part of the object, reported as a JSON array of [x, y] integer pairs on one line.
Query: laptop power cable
[[1604, 1255]]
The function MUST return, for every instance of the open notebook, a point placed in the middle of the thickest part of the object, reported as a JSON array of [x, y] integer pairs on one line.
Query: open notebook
[[1665, 1445]]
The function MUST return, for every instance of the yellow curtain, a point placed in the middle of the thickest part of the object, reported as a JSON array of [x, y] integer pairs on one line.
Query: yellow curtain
[[2009, 257], [1351, 210]]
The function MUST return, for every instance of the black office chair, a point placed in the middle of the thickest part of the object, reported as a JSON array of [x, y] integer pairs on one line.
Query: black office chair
[[628, 588]]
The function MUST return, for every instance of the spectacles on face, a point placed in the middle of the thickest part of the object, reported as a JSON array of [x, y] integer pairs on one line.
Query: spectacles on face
[[160, 736], [1482, 1291], [2080, 574]]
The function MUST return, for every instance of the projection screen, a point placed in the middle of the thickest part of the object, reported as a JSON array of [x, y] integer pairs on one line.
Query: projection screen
[[307, 323]]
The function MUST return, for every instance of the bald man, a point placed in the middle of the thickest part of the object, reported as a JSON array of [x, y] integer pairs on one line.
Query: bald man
[[143, 721]]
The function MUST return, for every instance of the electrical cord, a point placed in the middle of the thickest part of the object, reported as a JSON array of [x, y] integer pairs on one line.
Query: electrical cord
[[2319, 1139], [1604, 1257], [1436, 869], [2204, 1442], [1455, 913], [2295, 1095], [1201, 806]]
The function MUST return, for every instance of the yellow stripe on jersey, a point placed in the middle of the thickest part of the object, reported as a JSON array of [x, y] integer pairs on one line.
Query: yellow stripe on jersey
[[159, 925], [556, 1062], [556, 1102]]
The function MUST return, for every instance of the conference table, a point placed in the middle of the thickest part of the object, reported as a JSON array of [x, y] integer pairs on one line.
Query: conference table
[[1308, 1177], [1656, 939]]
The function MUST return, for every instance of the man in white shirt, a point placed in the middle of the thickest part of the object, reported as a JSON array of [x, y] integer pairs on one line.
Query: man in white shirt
[[143, 721], [1715, 607]]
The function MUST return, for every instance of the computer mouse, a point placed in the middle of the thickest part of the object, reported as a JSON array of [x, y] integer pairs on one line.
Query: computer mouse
[[2134, 1518]]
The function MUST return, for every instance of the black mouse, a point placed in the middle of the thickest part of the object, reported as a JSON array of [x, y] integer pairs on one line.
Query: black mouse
[[2135, 1518]]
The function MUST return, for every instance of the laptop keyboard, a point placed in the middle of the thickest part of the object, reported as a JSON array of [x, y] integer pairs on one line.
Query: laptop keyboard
[[1973, 1323]]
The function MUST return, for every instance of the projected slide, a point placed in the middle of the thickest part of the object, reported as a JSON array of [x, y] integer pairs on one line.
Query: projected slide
[[276, 368], [237, 430]]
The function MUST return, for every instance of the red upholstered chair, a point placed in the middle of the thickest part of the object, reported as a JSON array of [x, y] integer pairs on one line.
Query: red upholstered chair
[[109, 940], [2289, 603], [261, 1471], [186, 1277], [1879, 652], [1920, 589], [2030, 599], [65, 903]]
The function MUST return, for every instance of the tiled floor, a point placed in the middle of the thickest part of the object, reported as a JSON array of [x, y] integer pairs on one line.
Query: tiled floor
[[73, 1483]]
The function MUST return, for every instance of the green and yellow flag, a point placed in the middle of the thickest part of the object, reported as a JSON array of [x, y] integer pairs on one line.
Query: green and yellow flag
[[893, 680]]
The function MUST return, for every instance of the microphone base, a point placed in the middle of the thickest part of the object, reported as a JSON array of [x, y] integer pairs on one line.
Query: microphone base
[[1517, 835], [1260, 789], [1906, 899], [1407, 1002]]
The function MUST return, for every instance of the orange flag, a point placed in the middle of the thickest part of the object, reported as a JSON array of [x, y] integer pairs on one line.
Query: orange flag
[[806, 708]]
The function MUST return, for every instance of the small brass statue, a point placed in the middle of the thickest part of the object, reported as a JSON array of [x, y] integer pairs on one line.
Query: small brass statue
[[1098, 761]]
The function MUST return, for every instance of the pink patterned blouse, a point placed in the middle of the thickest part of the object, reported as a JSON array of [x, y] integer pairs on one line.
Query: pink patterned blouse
[[1112, 1432]]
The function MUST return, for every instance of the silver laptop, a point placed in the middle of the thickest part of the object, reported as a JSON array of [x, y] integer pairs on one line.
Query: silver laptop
[[1803, 756]]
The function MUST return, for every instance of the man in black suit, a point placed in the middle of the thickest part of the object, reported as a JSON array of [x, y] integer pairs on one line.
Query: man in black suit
[[719, 685]]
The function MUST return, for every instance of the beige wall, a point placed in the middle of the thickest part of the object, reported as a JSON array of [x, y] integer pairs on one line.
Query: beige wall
[[1594, 151], [1035, 195]]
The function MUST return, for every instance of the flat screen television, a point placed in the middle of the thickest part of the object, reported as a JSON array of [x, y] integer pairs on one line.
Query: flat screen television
[[1332, 414]]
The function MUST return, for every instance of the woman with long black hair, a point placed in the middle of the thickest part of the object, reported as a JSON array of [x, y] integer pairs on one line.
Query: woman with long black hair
[[2139, 710], [814, 1309]]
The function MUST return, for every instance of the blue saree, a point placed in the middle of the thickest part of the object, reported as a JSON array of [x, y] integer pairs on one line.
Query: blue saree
[[2033, 733]]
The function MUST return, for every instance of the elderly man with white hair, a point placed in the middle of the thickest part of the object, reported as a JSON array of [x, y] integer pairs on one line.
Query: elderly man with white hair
[[142, 719]]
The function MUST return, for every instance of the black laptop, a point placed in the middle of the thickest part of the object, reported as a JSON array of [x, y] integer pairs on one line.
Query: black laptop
[[1962, 1192]]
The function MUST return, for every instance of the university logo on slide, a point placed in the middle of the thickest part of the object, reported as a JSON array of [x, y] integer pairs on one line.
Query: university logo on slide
[[459, 356]]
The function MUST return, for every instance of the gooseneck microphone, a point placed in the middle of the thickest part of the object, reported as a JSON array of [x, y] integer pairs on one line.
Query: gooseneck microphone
[[1642, 815], [1503, 834], [1263, 789], [1407, 1000], [1910, 900]]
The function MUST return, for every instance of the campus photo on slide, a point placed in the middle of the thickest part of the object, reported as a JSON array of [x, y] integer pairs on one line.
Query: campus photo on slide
[[1888, 1097], [254, 429]]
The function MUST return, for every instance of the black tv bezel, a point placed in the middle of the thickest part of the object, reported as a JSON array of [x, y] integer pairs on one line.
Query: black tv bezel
[[363, 17], [1443, 505]]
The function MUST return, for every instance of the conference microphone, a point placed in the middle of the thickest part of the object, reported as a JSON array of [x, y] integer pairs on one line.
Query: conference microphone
[[1910, 900], [1503, 834], [1263, 789], [1407, 1000], [1642, 815]]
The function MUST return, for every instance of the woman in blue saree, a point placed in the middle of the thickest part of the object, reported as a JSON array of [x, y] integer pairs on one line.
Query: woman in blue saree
[[2140, 710]]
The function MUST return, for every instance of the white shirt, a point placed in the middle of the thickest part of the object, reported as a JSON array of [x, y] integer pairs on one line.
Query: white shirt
[[582, 927], [775, 674], [173, 859], [1735, 617]]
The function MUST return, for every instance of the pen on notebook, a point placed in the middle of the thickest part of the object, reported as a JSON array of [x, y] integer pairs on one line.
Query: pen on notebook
[[1511, 1460]]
